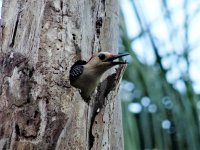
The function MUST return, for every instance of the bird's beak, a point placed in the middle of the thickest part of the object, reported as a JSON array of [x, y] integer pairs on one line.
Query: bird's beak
[[113, 57]]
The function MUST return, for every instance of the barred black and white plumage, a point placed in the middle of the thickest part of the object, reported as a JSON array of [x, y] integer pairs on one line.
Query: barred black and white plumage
[[86, 75], [76, 70]]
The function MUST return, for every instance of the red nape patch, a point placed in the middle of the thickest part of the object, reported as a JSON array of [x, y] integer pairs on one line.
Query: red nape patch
[[90, 58]]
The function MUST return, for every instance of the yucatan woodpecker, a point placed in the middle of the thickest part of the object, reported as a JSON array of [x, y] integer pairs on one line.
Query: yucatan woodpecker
[[86, 75]]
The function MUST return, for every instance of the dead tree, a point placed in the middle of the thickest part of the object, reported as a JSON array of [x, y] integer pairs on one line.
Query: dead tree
[[39, 109]]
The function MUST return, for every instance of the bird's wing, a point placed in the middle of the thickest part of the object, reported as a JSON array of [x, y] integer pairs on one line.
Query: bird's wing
[[76, 70]]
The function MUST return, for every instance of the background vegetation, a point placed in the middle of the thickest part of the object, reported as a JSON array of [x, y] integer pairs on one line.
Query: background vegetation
[[159, 113]]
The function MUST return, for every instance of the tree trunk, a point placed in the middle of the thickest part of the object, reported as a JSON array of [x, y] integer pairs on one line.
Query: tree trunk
[[39, 109]]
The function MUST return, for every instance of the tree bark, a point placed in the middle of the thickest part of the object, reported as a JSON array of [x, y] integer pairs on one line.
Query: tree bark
[[39, 109]]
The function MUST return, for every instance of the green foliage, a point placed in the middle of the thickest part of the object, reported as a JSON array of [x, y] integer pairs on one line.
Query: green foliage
[[168, 119]]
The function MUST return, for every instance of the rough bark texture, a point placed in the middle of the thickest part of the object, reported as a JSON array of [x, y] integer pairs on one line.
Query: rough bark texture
[[41, 39]]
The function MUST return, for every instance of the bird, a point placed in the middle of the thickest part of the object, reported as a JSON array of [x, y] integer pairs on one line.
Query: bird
[[86, 75]]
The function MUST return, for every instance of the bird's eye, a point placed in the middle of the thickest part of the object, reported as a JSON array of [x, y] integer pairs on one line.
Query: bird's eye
[[102, 56]]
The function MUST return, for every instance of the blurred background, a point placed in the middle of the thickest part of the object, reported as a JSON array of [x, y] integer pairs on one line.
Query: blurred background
[[160, 91]]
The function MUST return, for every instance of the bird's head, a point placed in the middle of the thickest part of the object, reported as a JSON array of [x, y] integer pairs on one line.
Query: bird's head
[[105, 60]]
